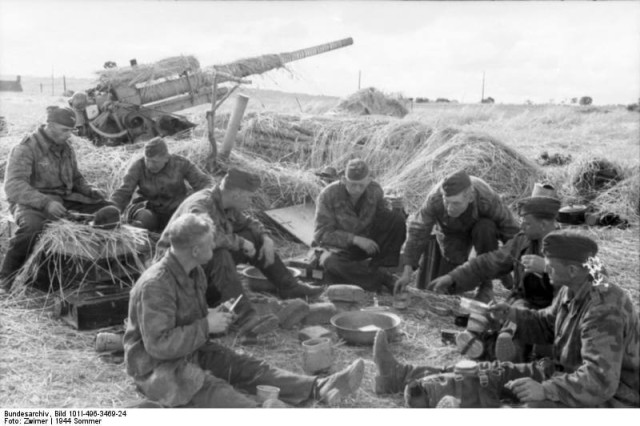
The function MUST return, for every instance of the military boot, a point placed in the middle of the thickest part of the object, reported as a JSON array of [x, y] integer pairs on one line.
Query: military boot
[[393, 376], [333, 388], [288, 286]]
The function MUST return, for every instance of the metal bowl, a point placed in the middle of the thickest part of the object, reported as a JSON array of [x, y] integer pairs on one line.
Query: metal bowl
[[360, 327], [259, 283]]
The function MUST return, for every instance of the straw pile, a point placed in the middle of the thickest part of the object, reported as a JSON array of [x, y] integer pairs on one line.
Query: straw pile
[[508, 172], [591, 176], [318, 141], [371, 101], [623, 198], [147, 72], [63, 240]]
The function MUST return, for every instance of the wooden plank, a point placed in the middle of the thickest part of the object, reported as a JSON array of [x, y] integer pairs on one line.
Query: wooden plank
[[296, 220]]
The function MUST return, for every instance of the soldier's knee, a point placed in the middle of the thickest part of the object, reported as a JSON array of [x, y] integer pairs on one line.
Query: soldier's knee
[[30, 224], [147, 219]]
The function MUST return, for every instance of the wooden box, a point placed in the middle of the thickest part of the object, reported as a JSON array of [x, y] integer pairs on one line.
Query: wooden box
[[94, 306]]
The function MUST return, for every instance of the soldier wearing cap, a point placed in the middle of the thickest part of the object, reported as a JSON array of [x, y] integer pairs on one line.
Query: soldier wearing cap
[[592, 324], [159, 180], [42, 182], [241, 240], [465, 212], [521, 255], [353, 222], [171, 350]]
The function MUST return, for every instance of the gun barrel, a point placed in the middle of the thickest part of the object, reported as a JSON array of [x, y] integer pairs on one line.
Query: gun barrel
[[264, 63]]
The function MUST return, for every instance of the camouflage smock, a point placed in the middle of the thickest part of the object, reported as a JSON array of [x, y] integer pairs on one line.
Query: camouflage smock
[[486, 204], [227, 222], [338, 220], [39, 167], [596, 342], [167, 325], [163, 191]]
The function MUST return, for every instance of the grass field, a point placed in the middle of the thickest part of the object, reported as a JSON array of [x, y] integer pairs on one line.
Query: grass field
[[44, 363]]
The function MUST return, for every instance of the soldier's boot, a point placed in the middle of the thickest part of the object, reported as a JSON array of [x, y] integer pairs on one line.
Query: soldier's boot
[[484, 292], [288, 286], [392, 376], [333, 388]]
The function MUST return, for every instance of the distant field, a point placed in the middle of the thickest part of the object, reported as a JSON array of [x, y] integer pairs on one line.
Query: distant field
[[46, 364]]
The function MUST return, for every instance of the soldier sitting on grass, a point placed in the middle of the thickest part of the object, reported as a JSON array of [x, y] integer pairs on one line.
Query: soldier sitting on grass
[[169, 350], [362, 235]]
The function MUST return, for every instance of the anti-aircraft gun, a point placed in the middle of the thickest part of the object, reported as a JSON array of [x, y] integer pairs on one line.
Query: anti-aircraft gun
[[141, 101]]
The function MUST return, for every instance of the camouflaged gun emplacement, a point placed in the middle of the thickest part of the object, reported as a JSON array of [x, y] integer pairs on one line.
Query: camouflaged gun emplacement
[[141, 101]]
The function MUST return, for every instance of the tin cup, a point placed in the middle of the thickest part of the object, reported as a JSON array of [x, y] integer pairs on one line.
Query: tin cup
[[264, 392], [401, 300], [317, 355], [109, 342]]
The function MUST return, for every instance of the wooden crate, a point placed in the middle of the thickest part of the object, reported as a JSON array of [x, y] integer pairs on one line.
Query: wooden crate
[[94, 306]]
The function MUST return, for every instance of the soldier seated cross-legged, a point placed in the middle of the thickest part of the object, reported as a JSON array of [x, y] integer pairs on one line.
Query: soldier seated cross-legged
[[240, 239], [359, 232], [592, 324], [169, 350]]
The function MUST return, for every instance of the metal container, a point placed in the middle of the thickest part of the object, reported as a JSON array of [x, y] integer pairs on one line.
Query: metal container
[[317, 355], [360, 327], [259, 283], [265, 392], [572, 215]]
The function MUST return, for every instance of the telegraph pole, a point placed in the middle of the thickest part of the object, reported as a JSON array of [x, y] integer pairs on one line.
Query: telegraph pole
[[359, 78], [482, 98]]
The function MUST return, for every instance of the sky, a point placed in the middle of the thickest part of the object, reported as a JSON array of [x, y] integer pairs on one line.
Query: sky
[[537, 51]]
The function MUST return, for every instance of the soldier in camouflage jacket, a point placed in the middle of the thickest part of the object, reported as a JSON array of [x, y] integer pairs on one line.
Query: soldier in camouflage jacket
[[42, 182], [353, 222], [159, 178]]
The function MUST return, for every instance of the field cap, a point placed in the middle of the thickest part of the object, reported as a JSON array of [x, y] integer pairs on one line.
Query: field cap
[[63, 116], [455, 183], [237, 179], [156, 147], [107, 218], [357, 170], [328, 172], [544, 202], [569, 245]]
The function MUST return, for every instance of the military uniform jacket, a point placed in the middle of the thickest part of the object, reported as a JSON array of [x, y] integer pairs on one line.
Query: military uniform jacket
[[165, 190], [595, 335], [227, 222], [486, 204], [39, 167], [338, 220], [537, 291], [167, 325]]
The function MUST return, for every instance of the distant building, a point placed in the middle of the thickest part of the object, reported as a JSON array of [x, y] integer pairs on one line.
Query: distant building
[[11, 86]]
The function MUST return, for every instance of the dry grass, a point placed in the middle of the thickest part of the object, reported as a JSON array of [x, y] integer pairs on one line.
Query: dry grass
[[45, 363], [143, 73]]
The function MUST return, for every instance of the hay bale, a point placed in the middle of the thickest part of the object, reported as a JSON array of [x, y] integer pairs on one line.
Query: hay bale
[[371, 101], [591, 176], [71, 253]]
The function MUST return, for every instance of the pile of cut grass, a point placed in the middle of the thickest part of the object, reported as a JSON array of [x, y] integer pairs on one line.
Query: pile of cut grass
[[371, 101], [143, 73]]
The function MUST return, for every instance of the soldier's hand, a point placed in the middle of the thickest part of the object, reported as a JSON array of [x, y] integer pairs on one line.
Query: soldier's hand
[[526, 389], [402, 283], [218, 320], [247, 247], [56, 209], [533, 264], [500, 311], [97, 193], [369, 246], [441, 284], [267, 251]]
